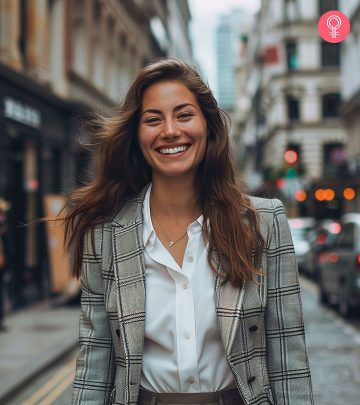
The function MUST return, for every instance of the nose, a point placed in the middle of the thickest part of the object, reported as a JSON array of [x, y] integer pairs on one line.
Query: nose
[[170, 128]]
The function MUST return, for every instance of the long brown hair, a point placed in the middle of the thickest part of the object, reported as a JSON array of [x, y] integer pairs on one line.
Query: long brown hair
[[121, 171]]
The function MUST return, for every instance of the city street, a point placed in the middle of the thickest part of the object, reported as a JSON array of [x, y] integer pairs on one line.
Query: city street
[[209, 102], [334, 352]]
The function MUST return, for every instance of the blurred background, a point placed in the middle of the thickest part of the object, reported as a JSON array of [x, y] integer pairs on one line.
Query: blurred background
[[294, 103]]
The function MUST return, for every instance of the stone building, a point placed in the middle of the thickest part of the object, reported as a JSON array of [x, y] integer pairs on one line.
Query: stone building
[[293, 85], [60, 59], [350, 93]]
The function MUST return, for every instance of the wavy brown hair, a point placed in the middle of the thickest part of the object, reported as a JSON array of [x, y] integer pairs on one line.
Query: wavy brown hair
[[121, 172]]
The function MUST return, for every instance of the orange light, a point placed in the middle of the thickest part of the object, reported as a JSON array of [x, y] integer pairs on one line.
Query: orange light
[[290, 156], [320, 194], [329, 194], [300, 195], [349, 193]]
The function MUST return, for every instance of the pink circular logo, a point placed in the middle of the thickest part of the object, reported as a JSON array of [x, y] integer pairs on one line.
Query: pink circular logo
[[334, 26]]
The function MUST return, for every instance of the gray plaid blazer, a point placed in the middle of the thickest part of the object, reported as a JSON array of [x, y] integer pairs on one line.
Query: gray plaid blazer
[[261, 327]]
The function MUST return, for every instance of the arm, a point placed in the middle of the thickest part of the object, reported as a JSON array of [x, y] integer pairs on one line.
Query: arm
[[95, 366], [287, 358]]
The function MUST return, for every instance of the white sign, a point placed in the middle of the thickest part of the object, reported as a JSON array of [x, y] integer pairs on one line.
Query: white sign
[[20, 112]]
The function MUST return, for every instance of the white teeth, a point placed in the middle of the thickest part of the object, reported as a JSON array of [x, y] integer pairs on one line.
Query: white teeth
[[173, 150]]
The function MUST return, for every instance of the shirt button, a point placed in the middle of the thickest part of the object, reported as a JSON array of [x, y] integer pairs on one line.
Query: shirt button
[[190, 259], [185, 286], [191, 380], [187, 335]]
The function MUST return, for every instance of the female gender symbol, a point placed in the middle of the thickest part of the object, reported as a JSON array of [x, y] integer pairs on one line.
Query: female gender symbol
[[334, 33], [337, 22]]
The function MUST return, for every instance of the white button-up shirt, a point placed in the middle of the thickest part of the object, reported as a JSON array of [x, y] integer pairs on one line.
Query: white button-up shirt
[[183, 351]]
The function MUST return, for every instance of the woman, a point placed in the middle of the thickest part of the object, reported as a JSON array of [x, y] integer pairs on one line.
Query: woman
[[190, 286]]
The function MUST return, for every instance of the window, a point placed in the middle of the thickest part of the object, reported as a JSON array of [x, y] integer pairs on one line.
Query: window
[[330, 54], [291, 55], [293, 108], [327, 5], [334, 159], [330, 105]]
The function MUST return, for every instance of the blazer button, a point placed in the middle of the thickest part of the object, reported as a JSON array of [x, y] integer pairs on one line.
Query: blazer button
[[251, 380], [118, 332], [253, 328]]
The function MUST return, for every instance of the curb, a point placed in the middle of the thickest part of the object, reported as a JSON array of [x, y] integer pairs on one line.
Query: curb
[[12, 389]]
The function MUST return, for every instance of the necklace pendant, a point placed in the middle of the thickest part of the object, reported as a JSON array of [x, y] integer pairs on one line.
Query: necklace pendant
[[171, 243]]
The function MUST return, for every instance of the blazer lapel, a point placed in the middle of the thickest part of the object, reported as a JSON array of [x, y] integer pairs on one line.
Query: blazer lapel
[[129, 268], [228, 303]]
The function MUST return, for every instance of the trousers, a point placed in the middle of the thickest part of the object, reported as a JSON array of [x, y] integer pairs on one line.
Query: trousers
[[224, 397]]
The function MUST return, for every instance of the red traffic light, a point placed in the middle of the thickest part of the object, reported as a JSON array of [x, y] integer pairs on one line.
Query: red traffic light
[[291, 156]]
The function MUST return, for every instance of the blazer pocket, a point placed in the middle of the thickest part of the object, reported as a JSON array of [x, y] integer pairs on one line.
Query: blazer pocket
[[269, 394]]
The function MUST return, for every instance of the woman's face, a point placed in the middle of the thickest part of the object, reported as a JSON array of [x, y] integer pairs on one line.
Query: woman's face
[[172, 130]]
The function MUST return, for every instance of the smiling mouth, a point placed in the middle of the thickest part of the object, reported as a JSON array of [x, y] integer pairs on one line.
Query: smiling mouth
[[170, 151]]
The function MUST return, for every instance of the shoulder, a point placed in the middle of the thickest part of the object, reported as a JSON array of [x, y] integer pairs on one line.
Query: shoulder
[[268, 210], [266, 205]]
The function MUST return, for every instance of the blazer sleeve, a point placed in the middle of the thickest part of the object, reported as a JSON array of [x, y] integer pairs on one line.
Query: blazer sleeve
[[95, 366], [287, 357]]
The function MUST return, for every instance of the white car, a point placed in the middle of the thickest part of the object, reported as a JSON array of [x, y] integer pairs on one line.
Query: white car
[[300, 228]]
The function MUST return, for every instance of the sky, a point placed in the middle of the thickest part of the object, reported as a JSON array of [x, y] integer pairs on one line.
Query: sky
[[205, 14]]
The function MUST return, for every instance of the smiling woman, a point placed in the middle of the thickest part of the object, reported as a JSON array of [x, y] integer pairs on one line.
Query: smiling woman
[[172, 133], [190, 286]]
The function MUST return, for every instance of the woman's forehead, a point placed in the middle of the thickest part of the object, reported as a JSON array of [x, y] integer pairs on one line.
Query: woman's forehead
[[167, 93]]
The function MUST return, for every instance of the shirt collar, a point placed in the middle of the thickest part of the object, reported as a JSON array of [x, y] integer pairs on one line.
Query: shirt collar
[[148, 232]]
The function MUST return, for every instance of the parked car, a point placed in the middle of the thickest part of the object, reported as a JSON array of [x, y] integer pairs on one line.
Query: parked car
[[300, 228], [320, 237], [339, 265]]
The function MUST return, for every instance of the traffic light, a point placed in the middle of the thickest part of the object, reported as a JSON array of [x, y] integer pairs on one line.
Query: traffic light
[[291, 157]]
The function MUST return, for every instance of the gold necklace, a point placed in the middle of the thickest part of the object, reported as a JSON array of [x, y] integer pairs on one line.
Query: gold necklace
[[171, 243]]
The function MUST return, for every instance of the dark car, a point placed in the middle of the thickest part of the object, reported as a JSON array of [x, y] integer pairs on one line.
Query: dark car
[[339, 265], [320, 237]]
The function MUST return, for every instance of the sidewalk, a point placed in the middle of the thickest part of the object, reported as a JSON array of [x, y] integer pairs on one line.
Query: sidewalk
[[35, 338]]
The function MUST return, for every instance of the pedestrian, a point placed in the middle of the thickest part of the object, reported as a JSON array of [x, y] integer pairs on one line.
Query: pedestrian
[[190, 290], [4, 207]]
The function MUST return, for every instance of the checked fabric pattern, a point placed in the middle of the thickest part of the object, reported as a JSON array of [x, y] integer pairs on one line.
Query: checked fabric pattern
[[261, 327]]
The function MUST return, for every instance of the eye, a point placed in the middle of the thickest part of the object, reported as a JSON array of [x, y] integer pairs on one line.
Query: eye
[[184, 115], [151, 120]]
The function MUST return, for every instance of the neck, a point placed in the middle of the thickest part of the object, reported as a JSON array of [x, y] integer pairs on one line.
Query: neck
[[173, 199]]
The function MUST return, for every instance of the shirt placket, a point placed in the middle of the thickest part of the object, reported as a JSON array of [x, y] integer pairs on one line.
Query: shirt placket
[[185, 320]]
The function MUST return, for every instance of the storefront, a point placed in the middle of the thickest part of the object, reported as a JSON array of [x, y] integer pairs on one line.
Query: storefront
[[36, 160]]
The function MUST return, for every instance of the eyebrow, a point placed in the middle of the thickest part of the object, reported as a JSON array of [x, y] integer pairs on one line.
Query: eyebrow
[[178, 107]]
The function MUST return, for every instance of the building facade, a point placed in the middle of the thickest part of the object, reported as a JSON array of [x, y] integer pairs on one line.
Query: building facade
[[350, 93], [293, 82], [59, 60], [227, 41]]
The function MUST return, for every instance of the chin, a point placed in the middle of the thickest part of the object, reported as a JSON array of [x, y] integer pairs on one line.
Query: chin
[[175, 173]]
